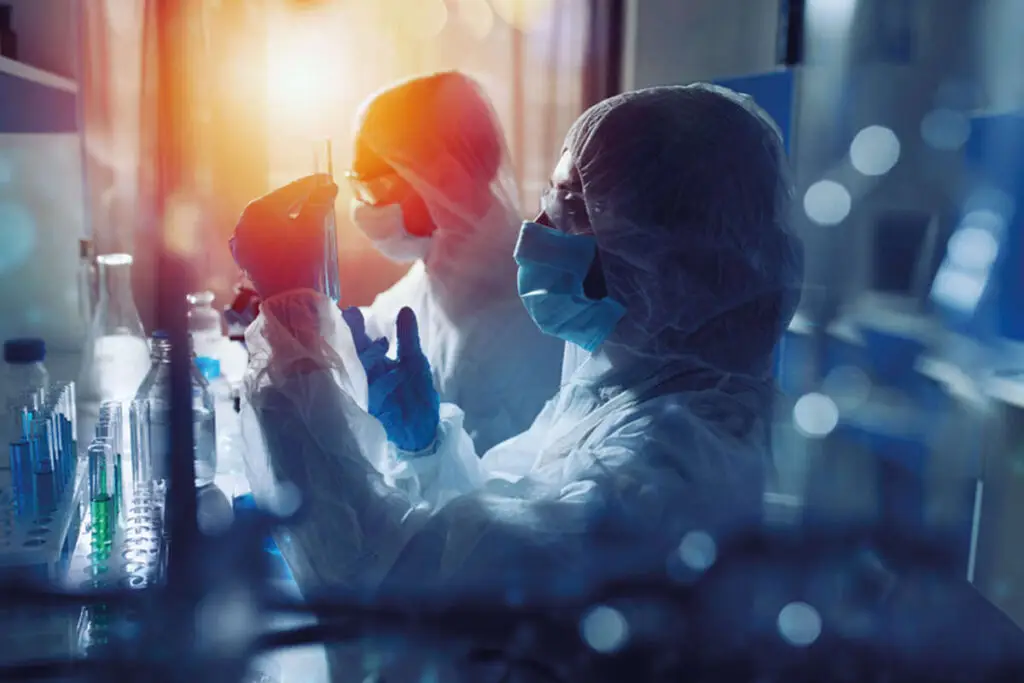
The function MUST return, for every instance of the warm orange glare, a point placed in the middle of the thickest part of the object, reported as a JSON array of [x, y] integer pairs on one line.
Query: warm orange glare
[[523, 14], [182, 225], [297, 80], [477, 17], [421, 19], [304, 72]]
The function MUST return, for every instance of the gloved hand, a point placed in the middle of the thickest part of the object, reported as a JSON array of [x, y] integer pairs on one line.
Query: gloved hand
[[372, 352], [401, 392], [279, 241]]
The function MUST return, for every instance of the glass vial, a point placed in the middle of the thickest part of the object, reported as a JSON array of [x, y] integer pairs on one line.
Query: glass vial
[[331, 283]]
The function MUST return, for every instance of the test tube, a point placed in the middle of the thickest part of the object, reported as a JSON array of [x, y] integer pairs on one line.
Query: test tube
[[58, 450], [42, 464], [72, 398], [102, 506], [22, 477], [71, 459], [109, 431], [142, 472], [331, 285]]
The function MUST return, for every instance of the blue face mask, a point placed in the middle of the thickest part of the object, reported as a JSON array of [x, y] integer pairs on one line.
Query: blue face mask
[[552, 268]]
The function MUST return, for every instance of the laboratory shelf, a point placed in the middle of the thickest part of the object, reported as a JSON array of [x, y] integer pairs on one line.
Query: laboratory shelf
[[36, 101]]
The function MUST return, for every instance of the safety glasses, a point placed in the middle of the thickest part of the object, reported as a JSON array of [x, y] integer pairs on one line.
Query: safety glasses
[[378, 190]]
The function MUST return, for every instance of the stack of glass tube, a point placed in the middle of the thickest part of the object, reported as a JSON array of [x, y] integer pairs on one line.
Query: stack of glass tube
[[125, 530], [43, 452], [126, 512]]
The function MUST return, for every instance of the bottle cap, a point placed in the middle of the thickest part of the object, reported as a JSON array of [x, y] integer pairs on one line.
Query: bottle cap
[[161, 334], [22, 351], [208, 367]]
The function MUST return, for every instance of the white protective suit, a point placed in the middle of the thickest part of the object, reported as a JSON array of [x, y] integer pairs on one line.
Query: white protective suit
[[665, 427], [462, 285]]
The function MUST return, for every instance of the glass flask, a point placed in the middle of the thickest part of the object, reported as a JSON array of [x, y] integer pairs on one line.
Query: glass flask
[[150, 418], [204, 324], [116, 355], [331, 284]]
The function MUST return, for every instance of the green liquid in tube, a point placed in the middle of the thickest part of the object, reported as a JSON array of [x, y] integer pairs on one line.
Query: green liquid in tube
[[103, 521]]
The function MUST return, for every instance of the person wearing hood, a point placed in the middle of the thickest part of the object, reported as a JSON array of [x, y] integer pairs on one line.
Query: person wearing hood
[[433, 187], [664, 260]]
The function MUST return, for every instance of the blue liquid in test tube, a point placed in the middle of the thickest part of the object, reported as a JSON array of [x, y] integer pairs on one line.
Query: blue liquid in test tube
[[22, 477]]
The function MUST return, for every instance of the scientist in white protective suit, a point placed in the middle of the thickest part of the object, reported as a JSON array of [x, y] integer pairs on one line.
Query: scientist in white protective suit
[[433, 187], [662, 257]]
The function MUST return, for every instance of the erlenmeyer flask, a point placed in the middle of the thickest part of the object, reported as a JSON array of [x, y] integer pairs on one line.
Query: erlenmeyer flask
[[116, 354]]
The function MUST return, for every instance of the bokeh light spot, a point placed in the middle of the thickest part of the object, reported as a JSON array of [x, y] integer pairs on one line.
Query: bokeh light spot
[[945, 129], [815, 415], [604, 629], [972, 249], [799, 624], [959, 290], [848, 386], [826, 202], [477, 17], [698, 551], [875, 150], [423, 19]]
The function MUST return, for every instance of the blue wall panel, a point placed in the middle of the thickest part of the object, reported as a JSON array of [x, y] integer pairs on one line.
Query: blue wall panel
[[773, 92]]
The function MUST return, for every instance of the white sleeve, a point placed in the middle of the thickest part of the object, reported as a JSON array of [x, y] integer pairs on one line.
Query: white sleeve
[[452, 468], [356, 530]]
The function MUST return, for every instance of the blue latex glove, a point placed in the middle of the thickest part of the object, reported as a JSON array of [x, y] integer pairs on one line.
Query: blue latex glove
[[401, 392], [245, 504], [278, 241]]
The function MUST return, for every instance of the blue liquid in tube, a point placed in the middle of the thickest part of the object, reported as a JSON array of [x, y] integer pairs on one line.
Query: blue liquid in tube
[[22, 477]]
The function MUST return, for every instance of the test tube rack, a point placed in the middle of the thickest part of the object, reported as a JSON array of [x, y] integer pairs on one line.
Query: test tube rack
[[41, 503], [123, 544], [41, 494], [133, 556], [41, 546]]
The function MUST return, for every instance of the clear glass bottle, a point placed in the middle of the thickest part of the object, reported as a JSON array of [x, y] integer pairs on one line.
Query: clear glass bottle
[[116, 354], [204, 324], [150, 415]]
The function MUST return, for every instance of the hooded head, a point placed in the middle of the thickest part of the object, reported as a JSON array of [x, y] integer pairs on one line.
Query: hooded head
[[686, 190], [432, 180]]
